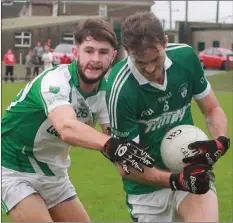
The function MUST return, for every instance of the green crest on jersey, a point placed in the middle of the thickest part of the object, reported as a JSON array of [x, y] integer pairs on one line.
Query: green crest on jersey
[[184, 90], [54, 90]]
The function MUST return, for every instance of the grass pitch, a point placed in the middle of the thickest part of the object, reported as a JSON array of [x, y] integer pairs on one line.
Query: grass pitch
[[99, 185]]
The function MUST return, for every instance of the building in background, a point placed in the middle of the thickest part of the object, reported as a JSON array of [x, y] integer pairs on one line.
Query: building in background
[[26, 22], [202, 35]]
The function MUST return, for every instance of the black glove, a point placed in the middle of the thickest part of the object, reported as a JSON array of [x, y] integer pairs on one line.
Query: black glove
[[194, 179], [127, 153], [211, 150]]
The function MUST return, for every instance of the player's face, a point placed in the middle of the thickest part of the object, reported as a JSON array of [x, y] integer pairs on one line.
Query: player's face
[[151, 62], [94, 58]]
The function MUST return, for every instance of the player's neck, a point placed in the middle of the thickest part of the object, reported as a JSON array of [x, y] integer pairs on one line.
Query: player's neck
[[160, 79], [88, 88]]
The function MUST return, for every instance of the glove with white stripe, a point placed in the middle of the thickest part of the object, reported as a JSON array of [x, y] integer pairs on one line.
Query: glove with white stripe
[[193, 179], [127, 153]]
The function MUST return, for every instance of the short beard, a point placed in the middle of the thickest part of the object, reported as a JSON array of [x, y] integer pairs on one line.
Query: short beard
[[87, 80]]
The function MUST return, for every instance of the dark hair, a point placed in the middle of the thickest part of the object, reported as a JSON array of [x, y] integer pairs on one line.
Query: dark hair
[[141, 31], [98, 29]]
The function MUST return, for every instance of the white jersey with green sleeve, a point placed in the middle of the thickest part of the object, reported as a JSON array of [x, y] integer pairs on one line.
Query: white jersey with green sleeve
[[144, 111], [30, 143]]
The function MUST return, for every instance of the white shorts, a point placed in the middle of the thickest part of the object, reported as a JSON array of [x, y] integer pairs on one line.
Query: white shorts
[[158, 206], [18, 185], [161, 205]]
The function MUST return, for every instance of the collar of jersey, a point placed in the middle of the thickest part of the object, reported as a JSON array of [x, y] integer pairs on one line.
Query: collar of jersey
[[142, 80], [73, 70]]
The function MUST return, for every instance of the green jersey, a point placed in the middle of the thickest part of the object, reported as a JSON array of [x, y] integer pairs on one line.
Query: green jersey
[[30, 143], [144, 111]]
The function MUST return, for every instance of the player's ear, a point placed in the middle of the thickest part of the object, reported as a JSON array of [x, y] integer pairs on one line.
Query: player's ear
[[166, 40], [114, 55], [77, 49]]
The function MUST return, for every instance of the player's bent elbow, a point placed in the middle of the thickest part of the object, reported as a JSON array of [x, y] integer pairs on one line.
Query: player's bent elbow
[[66, 133], [64, 136]]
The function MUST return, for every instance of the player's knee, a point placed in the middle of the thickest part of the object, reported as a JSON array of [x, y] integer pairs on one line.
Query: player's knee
[[199, 207]]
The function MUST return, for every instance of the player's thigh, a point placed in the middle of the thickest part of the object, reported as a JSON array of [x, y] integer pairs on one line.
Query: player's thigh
[[70, 210], [152, 207], [20, 199], [30, 209], [199, 208], [60, 197]]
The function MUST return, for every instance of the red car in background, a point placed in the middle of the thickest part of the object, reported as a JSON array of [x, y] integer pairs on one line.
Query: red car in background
[[64, 48], [216, 58]]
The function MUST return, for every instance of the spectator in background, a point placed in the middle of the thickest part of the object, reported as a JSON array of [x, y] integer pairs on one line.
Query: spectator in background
[[9, 60], [38, 51], [47, 58], [28, 65], [49, 43], [36, 65], [65, 60]]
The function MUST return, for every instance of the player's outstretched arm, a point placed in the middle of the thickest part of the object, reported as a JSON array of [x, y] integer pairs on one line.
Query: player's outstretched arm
[[77, 133], [193, 179], [151, 176]]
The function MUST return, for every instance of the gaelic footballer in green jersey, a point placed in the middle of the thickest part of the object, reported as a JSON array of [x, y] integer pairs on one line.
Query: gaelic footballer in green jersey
[[149, 93], [55, 110]]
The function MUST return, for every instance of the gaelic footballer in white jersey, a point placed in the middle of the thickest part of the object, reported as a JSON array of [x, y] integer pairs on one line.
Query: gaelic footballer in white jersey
[[35, 140]]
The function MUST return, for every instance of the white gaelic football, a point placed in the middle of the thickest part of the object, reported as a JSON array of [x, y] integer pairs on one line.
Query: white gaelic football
[[174, 146]]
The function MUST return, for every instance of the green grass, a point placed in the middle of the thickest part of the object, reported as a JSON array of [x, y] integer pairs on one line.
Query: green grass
[[222, 82], [99, 185]]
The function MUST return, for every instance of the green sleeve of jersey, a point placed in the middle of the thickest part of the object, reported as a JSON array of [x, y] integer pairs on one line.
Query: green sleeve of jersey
[[44, 93], [201, 86], [55, 92], [121, 103], [27, 98]]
